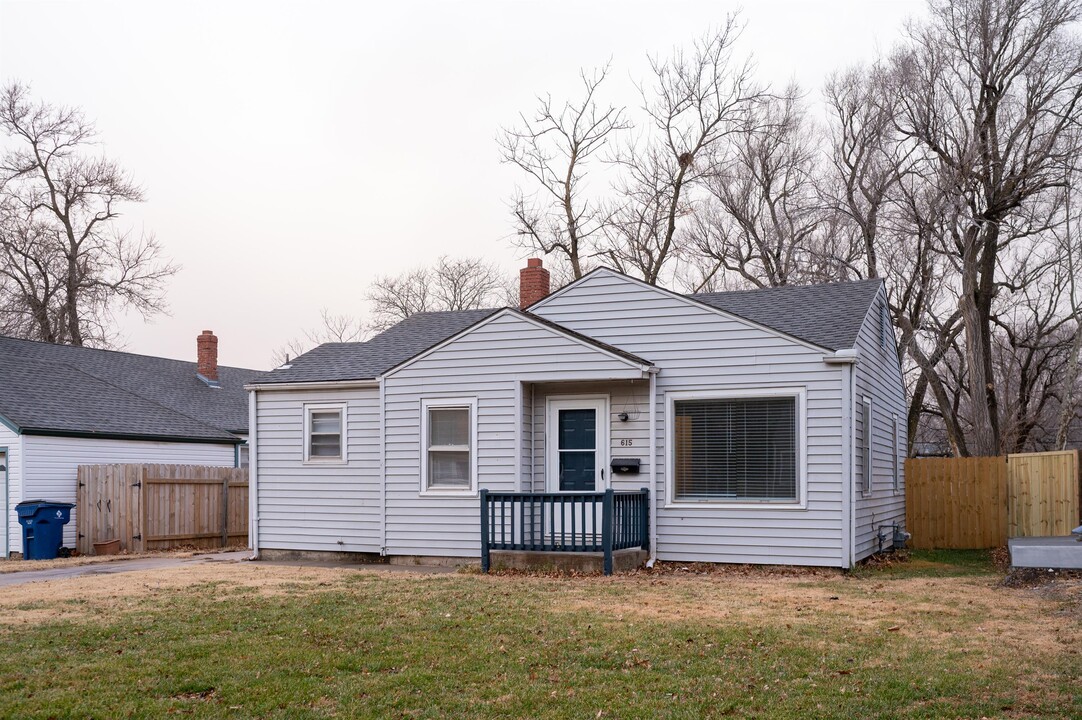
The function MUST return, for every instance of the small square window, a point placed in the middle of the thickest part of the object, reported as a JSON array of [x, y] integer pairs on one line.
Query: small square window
[[324, 436]]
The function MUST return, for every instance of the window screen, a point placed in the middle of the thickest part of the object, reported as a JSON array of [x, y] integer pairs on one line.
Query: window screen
[[867, 426], [449, 448], [325, 435], [895, 469], [736, 449]]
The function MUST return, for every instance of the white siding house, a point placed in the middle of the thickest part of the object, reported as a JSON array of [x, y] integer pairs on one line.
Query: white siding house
[[741, 412]]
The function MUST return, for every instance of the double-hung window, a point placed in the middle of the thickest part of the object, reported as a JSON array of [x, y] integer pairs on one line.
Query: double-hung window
[[737, 448], [324, 433], [448, 442], [867, 459]]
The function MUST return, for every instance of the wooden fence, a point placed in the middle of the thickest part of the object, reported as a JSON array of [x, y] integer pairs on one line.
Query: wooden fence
[[969, 503], [154, 507]]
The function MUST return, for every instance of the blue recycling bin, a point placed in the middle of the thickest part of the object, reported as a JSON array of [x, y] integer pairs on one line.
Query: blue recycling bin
[[43, 527]]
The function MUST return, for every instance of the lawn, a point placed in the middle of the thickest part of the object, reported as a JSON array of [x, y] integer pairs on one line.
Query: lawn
[[936, 637]]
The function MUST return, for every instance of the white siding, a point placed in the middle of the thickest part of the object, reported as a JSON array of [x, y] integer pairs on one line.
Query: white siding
[[699, 349], [878, 376], [51, 464], [11, 489], [487, 363], [309, 506]]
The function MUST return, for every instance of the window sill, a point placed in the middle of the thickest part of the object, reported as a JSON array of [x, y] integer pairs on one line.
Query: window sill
[[438, 493], [734, 505], [325, 463]]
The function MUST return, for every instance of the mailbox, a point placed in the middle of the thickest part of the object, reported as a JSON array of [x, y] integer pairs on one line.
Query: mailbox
[[625, 466]]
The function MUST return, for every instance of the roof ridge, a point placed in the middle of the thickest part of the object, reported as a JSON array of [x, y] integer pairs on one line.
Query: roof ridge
[[836, 283], [116, 352]]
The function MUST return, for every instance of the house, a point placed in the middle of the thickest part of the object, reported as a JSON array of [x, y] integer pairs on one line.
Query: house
[[63, 406], [764, 426]]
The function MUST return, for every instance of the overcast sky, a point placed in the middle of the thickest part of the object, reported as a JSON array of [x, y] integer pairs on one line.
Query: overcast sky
[[291, 152]]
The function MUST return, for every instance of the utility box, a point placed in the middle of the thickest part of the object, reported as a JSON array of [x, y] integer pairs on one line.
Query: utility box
[[43, 524]]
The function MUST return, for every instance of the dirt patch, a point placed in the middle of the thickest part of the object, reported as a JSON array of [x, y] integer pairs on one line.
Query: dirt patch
[[946, 613], [91, 596]]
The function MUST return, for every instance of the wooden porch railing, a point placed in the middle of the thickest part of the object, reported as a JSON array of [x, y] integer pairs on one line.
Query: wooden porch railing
[[564, 522]]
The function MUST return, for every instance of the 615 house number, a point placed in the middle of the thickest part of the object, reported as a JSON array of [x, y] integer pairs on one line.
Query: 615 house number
[[626, 443]]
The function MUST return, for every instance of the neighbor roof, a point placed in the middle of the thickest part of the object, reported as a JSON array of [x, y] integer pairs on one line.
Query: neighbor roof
[[332, 362], [828, 315], [83, 391]]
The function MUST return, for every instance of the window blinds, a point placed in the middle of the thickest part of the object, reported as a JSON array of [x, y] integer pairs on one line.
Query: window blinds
[[736, 449]]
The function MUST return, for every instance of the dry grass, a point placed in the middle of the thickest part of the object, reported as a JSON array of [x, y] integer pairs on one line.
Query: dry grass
[[920, 639]]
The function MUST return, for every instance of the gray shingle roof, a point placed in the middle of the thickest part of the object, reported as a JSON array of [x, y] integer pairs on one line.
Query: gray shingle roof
[[332, 362], [828, 315], [60, 388]]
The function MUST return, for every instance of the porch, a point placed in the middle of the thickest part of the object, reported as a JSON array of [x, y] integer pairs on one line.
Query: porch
[[565, 529]]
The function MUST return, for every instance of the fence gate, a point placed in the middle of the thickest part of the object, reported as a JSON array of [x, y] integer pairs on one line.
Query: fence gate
[[155, 507], [979, 502]]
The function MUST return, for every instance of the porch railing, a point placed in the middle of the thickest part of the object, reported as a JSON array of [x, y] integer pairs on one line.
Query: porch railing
[[564, 522]]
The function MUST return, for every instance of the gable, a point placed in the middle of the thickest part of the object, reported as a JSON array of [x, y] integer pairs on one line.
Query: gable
[[514, 342]]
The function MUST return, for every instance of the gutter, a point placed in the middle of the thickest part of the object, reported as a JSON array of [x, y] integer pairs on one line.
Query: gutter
[[46, 432], [321, 385], [849, 356]]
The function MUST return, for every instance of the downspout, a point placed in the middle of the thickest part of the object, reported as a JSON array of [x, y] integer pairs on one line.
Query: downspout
[[847, 359], [253, 476], [382, 469], [7, 501], [655, 495], [533, 437]]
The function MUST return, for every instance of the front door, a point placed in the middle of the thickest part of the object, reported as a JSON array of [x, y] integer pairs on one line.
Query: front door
[[578, 438]]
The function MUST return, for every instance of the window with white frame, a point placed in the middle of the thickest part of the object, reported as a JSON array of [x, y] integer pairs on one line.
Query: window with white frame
[[324, 436], [867, 424], [736, 449], [896, 467], [448, 443]]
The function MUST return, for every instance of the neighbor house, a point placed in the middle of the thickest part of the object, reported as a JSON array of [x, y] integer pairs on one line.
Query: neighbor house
[[764, 426], [63, 406]]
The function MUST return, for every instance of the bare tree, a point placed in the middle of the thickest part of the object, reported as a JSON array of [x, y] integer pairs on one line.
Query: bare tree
[[988, 92], [333, 328], [764, 213], [555, 148], [450, 284], [67, 265], [696, 99]]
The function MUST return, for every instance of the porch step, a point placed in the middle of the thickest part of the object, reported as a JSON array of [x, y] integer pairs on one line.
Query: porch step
[[584, 562]]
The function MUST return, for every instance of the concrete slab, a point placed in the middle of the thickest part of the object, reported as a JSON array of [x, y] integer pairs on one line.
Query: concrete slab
[[1064, 553], [584, 562]]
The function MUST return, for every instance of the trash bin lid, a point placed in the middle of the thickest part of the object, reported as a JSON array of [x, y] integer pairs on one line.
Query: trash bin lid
[[30, 508]]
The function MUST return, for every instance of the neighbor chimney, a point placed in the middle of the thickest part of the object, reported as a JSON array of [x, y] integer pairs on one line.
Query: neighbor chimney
[[533, 283], [208, 355]]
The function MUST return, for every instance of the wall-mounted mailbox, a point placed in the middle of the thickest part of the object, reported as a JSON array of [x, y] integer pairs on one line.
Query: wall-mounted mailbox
[[625, 466]]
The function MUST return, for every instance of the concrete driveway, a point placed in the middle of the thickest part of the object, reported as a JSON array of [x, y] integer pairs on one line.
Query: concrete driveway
[[117, 566]]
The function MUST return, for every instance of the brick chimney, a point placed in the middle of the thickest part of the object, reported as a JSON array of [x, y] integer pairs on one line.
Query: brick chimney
[[533, 283], [207, 344]]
